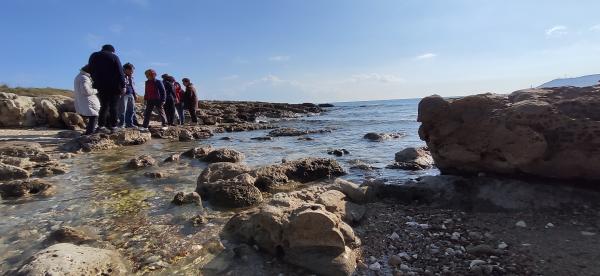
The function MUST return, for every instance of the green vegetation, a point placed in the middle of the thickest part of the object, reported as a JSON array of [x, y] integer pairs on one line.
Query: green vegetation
[[34, 92]]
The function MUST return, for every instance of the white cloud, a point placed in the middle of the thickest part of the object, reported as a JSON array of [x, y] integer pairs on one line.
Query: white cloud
[[279, 58], [116, 28], [230, 77], [556, 31], [158, 64], [426, 56], [375, 77]]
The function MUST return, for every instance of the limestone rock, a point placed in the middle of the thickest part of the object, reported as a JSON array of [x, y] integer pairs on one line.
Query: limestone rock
[[198, 152], [66, 234], [141, 161], [379, 137], [100, 141], [69, 259], [9, 172], [222, 171], [301, 170], [20, 188], [550, 132], [182, 198], [224, 155], [72, 120], [412, 159]]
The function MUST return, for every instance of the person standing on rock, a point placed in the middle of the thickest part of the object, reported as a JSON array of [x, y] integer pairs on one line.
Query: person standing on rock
[[190, 99], [155, 97], [109, 79], [86, 101], [179, 101], [127, 101], [168, 83]]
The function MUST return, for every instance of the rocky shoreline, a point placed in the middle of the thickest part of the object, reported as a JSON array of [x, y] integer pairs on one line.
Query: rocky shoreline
[[300, 217]]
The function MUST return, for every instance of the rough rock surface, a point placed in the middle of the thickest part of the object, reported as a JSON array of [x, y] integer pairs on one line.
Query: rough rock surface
[[228, 185], [301, 231], [280, 132], [69, 259], [551, 132], [379, 137], [198, 152], [224, 155], [182, 133], [20, 188], [10, 172], [98, 142], [182, 198], [141, 161], [24, 111], [413, 159], [301, 170]]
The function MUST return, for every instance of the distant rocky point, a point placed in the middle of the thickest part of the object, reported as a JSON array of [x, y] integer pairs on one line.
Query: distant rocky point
[[589, 80]]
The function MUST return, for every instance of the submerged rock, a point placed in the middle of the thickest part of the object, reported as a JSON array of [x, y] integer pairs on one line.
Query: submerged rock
[[198, 152], [100, 141], [182, 198], [222, 171], [224, 155], [66, 234], [20, 188], [69, 259], [413, 159], [338, 152], [294, 132], [301, 170], [550, 132], [379, 137], [141, 161]]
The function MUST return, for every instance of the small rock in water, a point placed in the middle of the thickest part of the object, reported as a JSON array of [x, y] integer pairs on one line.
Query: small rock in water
[[155, 174], [502, 245], [521, 224], [394, 236], [375, 266], [182, 198]]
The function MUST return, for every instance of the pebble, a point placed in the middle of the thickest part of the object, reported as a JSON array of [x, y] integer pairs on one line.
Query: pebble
[[549, 225], [502, 245], [475, 263], [394, 236], [395, 260], [586, 233], [375, 266], [404, 255], [521, 223], [372, 259], [404, 267], [475, 235], [455, 236]]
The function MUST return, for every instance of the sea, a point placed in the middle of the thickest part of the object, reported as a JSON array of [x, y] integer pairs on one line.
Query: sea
[[117, 205]]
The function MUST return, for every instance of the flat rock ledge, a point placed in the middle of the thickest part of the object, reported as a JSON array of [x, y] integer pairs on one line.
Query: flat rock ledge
[[99, 142]]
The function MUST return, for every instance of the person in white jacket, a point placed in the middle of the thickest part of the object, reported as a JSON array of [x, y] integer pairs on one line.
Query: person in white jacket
[[87, 103]]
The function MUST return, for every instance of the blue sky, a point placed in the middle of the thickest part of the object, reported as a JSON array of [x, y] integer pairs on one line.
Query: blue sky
[[308, 50]]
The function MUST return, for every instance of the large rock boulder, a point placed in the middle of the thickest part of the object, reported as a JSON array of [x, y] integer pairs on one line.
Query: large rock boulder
[[10, 172], [299, 230], [301, 170], [228, 185], [198, 152], [24, 111], [552, 132], [70, 259]]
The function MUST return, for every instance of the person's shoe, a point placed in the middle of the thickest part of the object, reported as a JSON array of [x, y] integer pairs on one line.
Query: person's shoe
[[164, 128], [102, 130], [143, 129]]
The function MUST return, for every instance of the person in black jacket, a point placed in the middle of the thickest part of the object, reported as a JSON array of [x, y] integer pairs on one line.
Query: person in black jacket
[[109, 79], [190, 99], [170, 99]]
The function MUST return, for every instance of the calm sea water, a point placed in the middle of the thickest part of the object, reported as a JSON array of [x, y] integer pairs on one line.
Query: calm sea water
[[100, 195]]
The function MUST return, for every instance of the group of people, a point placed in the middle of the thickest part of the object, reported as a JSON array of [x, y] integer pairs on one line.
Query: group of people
[[105, 95]]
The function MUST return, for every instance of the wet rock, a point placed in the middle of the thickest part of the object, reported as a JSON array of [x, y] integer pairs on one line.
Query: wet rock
[[66, 234], [224, 155], [302, 233], [281, 132], [22, 149], [247, 127], [155, 174], [9, 172], [226, 138], [173, 158], [100, 141], [412, 159], [69, 259], [326, 105], [50, 170], [141, 161], [301, 170], [222, 171], [550, 132], [198, 152], [265, 138], [185, 135], [338, 152], [379, 137], [182, 198], [23, 163], [230, 192], [20, 188], [306, 139], [69, 134]]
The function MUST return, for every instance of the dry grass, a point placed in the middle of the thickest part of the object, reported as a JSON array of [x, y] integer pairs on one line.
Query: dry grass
[[34, 92]]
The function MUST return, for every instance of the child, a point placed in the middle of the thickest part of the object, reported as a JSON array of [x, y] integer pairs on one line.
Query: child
[[155, 98], [87, 103]]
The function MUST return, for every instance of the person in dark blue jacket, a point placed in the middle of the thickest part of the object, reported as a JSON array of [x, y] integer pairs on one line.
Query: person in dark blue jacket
[[171, 98], [109, 79]]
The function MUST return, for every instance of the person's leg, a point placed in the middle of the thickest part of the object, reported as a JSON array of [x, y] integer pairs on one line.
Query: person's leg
[[113, 111], [192, 111], [91, 124], [161, 114], [129, 110], [102, 114], [121, 109], [180, 113], [170, 111], [148, 113]]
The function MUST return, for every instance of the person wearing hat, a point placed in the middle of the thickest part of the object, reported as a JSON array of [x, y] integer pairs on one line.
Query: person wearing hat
[[109, 79], [170, 98]]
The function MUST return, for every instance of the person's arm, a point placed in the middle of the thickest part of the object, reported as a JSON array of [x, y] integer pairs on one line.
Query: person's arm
[[88, 89], [92, 64], [161, 91], [121, 73]]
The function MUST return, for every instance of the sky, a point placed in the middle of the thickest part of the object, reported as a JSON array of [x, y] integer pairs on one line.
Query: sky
[[308, 50]]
